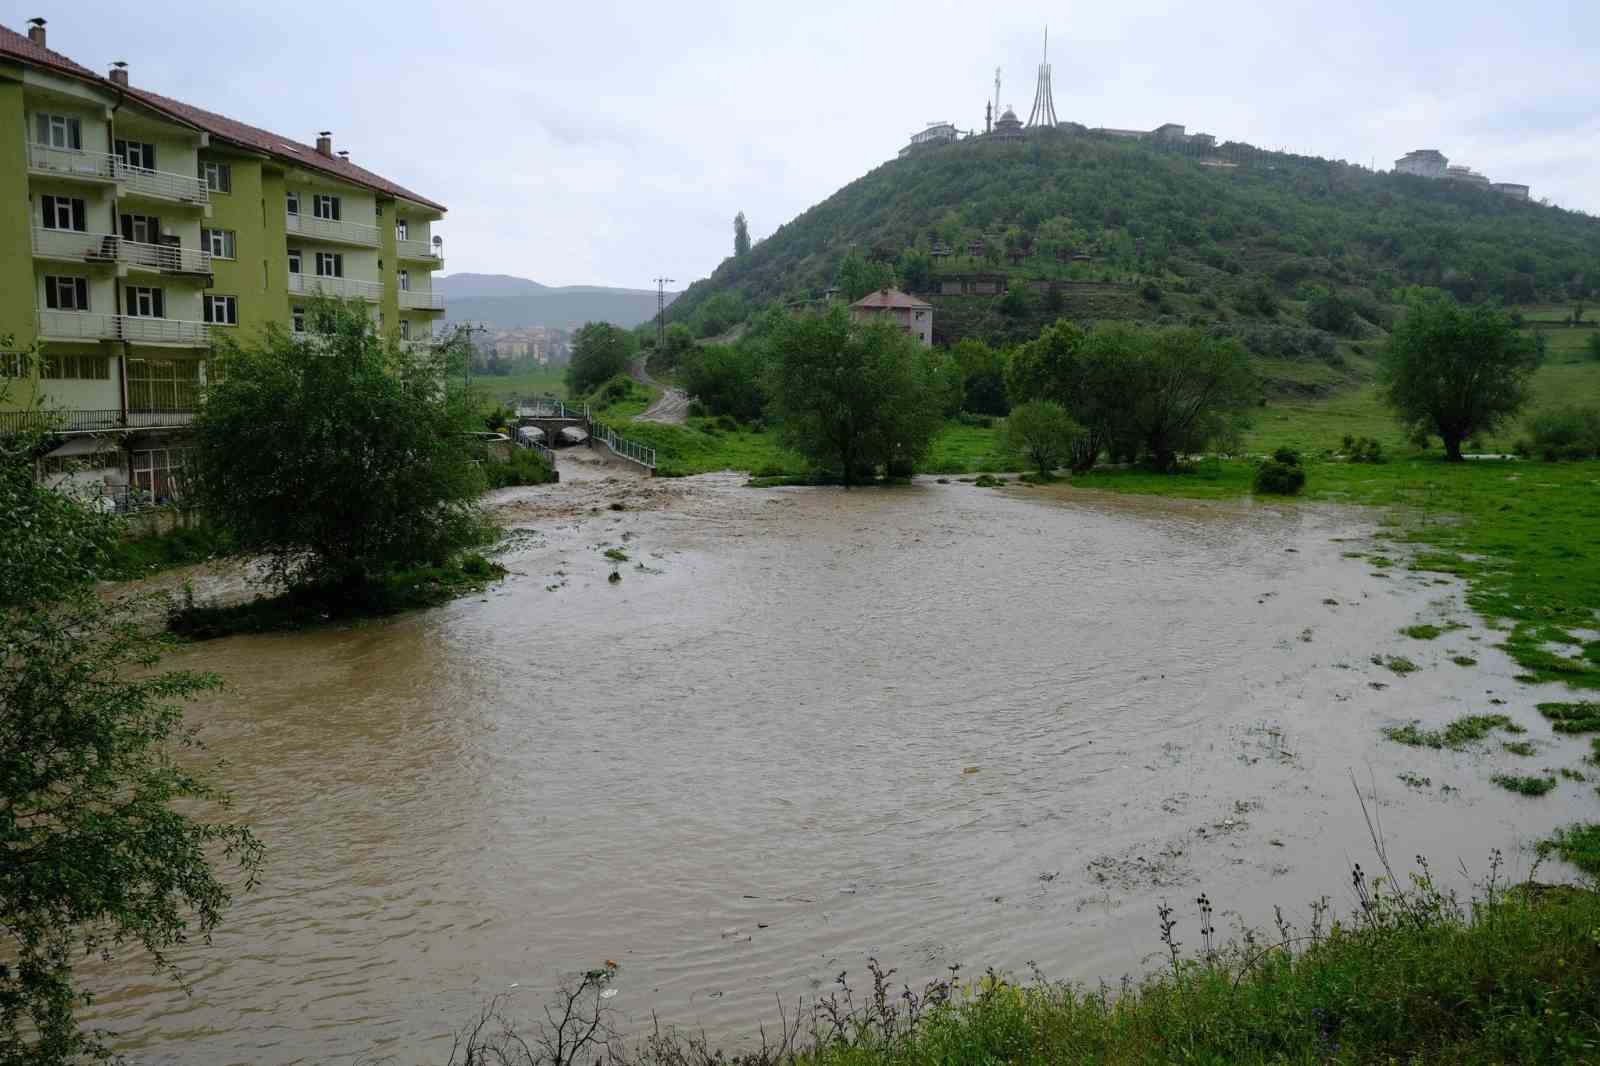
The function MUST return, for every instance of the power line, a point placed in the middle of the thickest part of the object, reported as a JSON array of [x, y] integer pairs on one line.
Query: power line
[[661, 311]]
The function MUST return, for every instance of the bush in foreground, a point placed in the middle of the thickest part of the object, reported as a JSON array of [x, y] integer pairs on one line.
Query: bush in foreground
[[1570, 432], [1282, 475]]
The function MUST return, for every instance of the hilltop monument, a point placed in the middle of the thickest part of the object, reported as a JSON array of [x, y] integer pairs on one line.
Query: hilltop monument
[[1044, 104]]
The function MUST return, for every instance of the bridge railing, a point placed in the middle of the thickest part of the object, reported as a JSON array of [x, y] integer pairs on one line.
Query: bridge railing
[[632, 450], [538, 449], [546, 408]]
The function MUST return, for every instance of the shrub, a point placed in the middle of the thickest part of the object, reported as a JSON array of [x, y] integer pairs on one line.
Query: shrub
[[1363, 450], [1570, 432], [727, 380], [696, 409], [1042, 433], [1286, 456], [1280, 479], [1150, 292]]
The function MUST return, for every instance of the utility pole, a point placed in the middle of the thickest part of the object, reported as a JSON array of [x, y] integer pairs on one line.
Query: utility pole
[[661, 311], [467, 330]]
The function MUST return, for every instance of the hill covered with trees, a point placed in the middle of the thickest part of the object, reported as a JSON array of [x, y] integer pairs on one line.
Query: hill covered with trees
[[1084, 225]]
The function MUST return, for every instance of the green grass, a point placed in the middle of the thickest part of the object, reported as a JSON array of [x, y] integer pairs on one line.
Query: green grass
[[1518, 747], [1527, 786], [544, 381], [1458, 734], [1578, 844], [1421, 632], [1581, 717], [1398, 664], [1463, 660], [183, 546]]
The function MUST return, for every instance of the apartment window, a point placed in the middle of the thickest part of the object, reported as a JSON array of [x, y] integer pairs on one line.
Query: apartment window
[[66, 294], [141, 229], [405, 329], [163, 384], [404, 277], [294, 261], [75, 368], [13, 365], [330, 265], [324, 205], [159, 471], [401, 231], [219, 242], [297, 317], [63, 212], [217, 176], [222, 310], [58, 131], [136, 154], [146, 302], [292, 202]]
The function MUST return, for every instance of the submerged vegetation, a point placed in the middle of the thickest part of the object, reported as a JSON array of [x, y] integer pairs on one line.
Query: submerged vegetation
[[1465, 730]]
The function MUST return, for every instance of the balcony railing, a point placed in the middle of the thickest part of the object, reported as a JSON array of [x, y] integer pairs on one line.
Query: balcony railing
[[92, 421], [91, 326], [419, 252], [101, 166], [315, 285], [327, 229], [108, 247], [422, 301]]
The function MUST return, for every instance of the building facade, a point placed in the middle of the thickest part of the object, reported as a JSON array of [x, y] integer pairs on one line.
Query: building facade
[[909, 313], [136, 229], [1423, 162]]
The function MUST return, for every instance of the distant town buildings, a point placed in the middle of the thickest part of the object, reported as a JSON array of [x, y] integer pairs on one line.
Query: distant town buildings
[[909, 313], [1431, 163]]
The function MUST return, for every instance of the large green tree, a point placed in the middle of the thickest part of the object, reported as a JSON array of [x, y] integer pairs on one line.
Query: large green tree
[[856, 397], [1456, 371], [741, 234], [108, 827], [859, 275], [600, 351], [341, 458], [1042, 433]]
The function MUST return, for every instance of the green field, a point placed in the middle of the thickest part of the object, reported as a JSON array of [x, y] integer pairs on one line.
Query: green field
[[541, 382]]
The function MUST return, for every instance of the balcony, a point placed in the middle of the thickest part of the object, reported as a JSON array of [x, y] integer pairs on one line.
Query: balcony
[[332, 230], [344, 288], [421, 301], [420, 252], [103, 168], [100, 421], [109, 248], [91, 326]]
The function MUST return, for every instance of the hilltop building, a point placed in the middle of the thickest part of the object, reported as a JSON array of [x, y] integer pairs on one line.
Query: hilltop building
[[136, 229], [1423, 162], [1431, 163], [933, 133], [1511, 189], [909, 313]]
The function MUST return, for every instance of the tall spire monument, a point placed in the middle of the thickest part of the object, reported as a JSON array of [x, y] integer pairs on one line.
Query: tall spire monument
[[1044, 105]]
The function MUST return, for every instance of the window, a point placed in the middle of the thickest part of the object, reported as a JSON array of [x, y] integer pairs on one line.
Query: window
[[404, 278], [294, 261], [145, 302], [217, 176], [163, 384], [401, 231], [324, 205], [219, 242], [75, 368], [330, 265], [66, 294], [159, 471], [405, 329], [58, 131], [297, 316], [62, 212], [136, 154], [292, 202], [222, 310], [141, 229], [13, 365]]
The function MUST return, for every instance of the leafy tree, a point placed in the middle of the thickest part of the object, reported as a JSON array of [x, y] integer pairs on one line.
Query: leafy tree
[[600, 351], [727, 379], [719, 314], [1330, 311], [916, 270], [741, 235], [677, 342], [1042, 432], [340, 459], [1456, 371], [1191, 390], [103, 843], [983, 371], [854, 397], [1592, 346], [859, 276]]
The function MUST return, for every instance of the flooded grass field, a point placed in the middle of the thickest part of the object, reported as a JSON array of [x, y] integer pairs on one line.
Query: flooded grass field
[[741, 740]]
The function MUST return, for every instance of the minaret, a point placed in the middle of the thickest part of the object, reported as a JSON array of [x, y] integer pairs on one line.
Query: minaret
[[988, 116], [1044, 105]]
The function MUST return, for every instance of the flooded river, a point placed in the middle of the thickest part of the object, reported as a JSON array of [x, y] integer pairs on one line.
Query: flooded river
[[933, 724]]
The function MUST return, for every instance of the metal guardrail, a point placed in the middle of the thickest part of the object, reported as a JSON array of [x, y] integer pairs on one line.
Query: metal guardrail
[[547, 408], [632, 450], [538, 449], [92, 421]]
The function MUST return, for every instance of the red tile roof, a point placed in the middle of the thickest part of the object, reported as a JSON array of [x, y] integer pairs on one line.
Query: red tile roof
[[891, 298], [18, 46]]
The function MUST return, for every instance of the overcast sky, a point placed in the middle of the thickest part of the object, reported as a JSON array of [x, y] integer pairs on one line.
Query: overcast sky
[[606, 143]]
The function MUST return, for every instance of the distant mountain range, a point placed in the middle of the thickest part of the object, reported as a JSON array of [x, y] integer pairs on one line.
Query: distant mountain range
[[504, 302]]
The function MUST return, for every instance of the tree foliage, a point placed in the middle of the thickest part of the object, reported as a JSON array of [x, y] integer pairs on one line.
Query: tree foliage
[[727, 379], [1042, 433], [106, 835], [341, 459], [983, 377], [1456, 371], [741, 234], [858, 276], [853, 397], [600, 351]]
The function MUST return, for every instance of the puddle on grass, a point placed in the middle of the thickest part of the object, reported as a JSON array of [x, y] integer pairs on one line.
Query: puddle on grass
[[840, 724]]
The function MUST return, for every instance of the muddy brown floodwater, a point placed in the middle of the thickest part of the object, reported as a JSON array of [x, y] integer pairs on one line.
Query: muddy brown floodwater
[[931, 724]]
